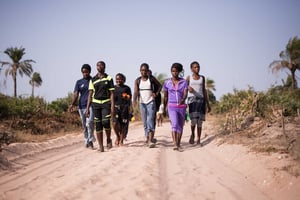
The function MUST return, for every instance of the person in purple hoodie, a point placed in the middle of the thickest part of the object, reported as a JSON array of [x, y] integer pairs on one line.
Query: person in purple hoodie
[[175, 93]]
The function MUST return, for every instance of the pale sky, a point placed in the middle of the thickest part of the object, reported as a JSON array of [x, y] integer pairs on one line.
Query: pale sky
[[233, 40]]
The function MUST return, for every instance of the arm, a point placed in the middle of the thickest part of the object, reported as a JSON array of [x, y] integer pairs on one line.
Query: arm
[[87, 111], [185, 92], [182, 101], [135, 93], [158, 85], [74, 99], [112, 103], [165, 102]]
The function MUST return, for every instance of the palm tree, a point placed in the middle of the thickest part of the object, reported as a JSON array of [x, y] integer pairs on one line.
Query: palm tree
[[210, 86], [36, 81], [160, 77], [290, 59], [23, 67]]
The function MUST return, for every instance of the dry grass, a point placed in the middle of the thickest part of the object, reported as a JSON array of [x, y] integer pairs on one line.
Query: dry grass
[[279, 136]]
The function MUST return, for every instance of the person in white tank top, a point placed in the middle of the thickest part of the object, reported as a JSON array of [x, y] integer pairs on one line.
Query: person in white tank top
[[144, 93], [197, 101]]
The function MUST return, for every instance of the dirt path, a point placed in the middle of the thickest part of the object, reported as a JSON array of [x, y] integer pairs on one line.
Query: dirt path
[[64, 169]]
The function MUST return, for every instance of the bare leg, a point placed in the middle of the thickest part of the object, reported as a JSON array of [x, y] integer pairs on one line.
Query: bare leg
[[174, 136], [192, 135], [117, 131], [199, 130], [108, 139], [122, 130], [99, 135], [179, 135]]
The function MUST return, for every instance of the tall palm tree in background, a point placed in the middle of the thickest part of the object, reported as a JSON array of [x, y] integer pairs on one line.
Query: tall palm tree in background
[[35, 81], [210, 86], [23, 67], [290, 59], [160, 77]]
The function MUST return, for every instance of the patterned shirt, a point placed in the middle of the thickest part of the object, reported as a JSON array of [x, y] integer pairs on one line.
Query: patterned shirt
[[102, 88]]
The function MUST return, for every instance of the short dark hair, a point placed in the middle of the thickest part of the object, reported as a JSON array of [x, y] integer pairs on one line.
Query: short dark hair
[[87, 67], [195, 62], [145, 65], [179, 68], [122, 76], [101, 63]]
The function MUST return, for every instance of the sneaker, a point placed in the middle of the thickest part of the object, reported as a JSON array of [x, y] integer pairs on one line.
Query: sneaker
[[154, 140], [87, 145], [91, 144]]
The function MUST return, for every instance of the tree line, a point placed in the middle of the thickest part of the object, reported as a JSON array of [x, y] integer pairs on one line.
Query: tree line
[[289, 59]]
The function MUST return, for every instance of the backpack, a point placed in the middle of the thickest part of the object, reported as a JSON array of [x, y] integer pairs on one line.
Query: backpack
[[154, 88]]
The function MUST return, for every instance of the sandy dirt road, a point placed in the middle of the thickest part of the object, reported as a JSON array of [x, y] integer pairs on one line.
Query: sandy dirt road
[[64, 169]]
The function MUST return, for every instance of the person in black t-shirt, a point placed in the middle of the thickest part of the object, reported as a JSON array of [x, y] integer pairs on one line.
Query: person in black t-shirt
[[122, 98]]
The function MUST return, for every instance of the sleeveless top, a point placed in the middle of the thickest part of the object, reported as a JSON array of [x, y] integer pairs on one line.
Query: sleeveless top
[[145, 91], [197, 85]]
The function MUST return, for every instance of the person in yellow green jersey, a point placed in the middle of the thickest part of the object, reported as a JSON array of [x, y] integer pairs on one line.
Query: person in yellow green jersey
[[101, 98]]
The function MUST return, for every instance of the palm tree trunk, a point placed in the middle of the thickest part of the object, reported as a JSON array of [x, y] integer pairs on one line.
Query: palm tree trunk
[[32, 90], [15, 85], [294, 82]]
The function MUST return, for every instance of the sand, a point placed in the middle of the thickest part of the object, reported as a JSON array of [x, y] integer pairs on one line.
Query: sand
[[64, 169]]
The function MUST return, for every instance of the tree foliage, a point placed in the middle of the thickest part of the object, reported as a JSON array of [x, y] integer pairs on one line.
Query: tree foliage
[[17, 65], [290, 59], [35, 81]]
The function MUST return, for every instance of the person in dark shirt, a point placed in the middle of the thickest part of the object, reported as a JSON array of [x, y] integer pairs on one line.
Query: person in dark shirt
[[122, 97], [81, 90], [101, 97]]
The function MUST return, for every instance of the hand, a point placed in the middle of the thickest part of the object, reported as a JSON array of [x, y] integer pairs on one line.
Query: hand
[[190, 89], [164, 113], [125, 96], [208, 109], [87, 113], [70, 108]]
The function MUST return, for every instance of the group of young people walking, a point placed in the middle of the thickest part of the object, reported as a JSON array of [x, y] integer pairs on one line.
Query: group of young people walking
[[102, 102]]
